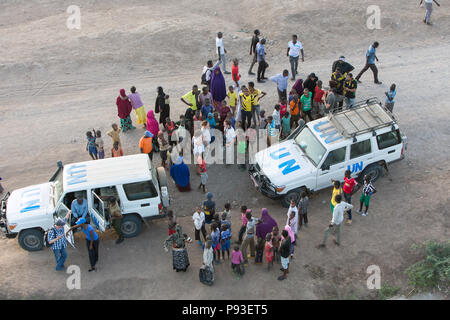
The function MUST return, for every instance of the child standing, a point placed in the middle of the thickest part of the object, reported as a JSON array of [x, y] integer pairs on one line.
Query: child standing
[[164, 146], [303, 209], [100, 144], [276, 241], [232, 99], [224, 221], [237, 261], [115, 134], [225, 241], [116, 150], [318, 106], [203, 174], [368, 191], [90, 146], [227, 211], [285, 125], [215, 238], [283, 107], [263, 120], [235, 73], [269, 251], [390, 98], [276, 116], [259, 251]]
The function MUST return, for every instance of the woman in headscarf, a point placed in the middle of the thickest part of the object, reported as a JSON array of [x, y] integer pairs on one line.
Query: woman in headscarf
[[124, 109], [162, 106], [178, 241], [153, 128], [218, 88], [292, 236], [179, 172], [266, 225]]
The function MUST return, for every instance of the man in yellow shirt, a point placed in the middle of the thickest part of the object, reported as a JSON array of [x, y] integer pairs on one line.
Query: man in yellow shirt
[[232, 99], [256, 95], [336, 190], [191, 98], [246, 107]]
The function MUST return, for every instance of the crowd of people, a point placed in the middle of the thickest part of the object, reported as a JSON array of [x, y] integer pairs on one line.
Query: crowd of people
[[230, 110]]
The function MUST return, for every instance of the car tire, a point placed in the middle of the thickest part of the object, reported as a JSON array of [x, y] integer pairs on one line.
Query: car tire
[[162, 177], [131, 225], [375, 171], [294, 194], [31, 239]]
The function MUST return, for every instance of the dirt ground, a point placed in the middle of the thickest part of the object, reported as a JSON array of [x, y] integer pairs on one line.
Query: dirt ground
[[58, 83]]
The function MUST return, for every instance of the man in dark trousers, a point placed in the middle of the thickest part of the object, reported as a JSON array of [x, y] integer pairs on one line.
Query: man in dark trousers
[[255, 40], [370, 63], [429, 6], [261, 57]]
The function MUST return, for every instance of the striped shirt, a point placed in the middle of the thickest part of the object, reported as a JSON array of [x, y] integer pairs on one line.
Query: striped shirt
[[58, 244], [368, 188]]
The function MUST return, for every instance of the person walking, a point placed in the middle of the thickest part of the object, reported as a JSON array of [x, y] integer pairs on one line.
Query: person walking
[[261, 58], [293, 52], [58, 242], [221, 51], [92, 241], [429, 6], [282, 82], [336, 221], [254, 42], [138, 106], [370, 63]]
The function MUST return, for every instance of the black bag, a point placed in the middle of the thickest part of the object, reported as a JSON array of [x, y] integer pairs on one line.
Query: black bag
[[46, 241], [206, 275], [204, 78]]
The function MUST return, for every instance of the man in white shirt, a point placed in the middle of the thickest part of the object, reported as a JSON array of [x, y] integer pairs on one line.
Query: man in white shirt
[[293, 52], [336, 222], [230, 138], [221, 51], [199, 224]]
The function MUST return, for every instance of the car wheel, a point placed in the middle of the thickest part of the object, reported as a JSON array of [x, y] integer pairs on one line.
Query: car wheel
[[131, 225], [291, 195], [31, 239], [375, 171]]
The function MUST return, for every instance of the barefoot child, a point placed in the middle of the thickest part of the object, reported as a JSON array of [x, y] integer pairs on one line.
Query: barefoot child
[[100, 144], [215, 238], [225, 241], [237, 261], [259, 251], [115, 133], [269, 251], [90, 146], [235, 73], [276, 240], [232, 99], [203, 174]]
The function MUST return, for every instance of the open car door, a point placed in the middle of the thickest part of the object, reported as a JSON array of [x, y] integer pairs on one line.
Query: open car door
[[97, 211], [61, 213]]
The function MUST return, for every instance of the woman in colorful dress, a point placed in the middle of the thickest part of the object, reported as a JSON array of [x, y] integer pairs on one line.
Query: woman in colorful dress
[[179, 252], [124, 109], [138, 106]]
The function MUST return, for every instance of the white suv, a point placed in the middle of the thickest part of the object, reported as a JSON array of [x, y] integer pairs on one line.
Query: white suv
[[140, 189], [363, 139]]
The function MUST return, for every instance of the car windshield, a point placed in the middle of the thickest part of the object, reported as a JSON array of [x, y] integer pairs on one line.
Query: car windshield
[[58, 187], [310, 145]]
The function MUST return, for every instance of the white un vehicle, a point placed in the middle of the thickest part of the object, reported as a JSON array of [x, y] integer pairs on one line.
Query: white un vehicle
[[140, 189], [363, 140]]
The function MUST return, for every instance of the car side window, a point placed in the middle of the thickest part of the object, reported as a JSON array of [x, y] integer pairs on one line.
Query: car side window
[[140, 190], [334, 157], [360, 148], [388, 139]]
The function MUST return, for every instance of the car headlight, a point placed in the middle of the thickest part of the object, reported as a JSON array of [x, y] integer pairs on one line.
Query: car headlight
[[12, 226], [280, 189]]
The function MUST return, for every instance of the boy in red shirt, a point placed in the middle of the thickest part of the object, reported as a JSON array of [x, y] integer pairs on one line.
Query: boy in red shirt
[[235, 72], [283, 107], [318, 106], [349, 187]]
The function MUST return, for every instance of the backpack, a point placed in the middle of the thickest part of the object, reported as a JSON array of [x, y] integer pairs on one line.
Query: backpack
[[46, 234], [204, 78]]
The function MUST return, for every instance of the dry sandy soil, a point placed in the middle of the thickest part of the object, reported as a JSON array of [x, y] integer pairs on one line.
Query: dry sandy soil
[[59, 83]]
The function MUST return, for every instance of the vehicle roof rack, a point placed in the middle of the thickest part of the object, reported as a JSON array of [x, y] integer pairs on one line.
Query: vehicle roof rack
[[365, 116]]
